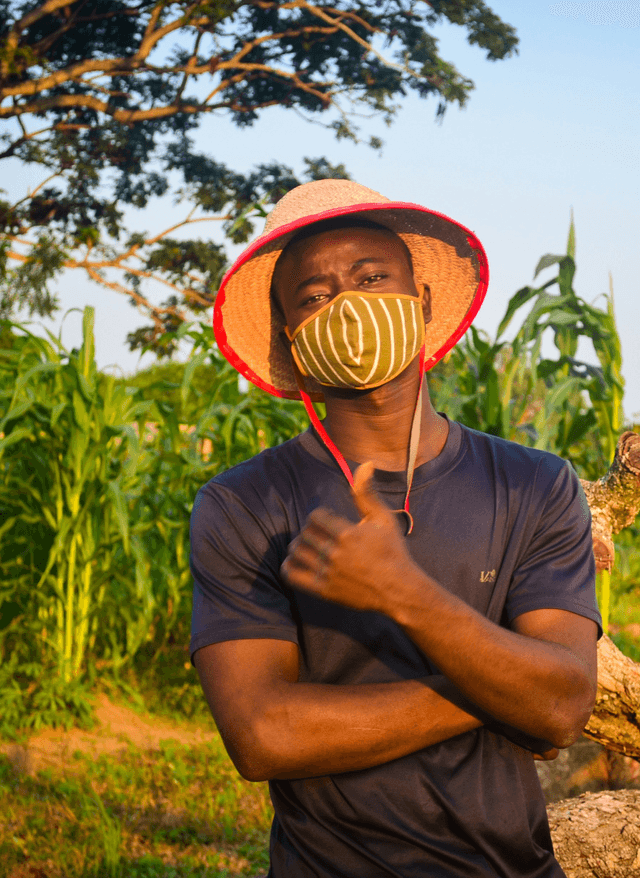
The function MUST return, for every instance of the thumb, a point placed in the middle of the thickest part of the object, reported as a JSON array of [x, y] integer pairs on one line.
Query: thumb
[[366, 498]]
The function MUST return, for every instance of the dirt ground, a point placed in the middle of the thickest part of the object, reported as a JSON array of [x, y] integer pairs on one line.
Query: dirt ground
[[117, 726]]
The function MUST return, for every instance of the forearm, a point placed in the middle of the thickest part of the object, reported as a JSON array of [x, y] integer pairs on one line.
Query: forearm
[[310, 729], [530, 684]]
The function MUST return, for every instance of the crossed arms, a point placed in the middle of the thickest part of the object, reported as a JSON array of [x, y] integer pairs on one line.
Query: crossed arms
[[539, 677]]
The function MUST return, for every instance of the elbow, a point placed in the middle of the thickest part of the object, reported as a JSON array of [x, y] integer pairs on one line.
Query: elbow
[[566, 735], [253, 773], [573, 714], [255, 754], [251, 765]]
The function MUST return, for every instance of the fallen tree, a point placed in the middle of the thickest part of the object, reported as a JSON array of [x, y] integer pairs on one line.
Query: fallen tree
[[597, 835], [614, 501]]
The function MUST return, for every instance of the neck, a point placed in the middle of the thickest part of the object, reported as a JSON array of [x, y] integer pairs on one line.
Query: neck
[[375, 425]]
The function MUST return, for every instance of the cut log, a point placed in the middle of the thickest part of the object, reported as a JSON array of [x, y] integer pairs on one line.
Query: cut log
[[614, 499], [615, 721], [597, 835]]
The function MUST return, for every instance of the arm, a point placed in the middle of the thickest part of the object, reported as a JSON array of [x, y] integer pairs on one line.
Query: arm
[[275, 727], [539, 678]]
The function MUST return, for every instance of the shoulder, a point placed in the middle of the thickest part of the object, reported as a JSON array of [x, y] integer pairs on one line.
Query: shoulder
[[258, 486], [543, 489], [517, 463]]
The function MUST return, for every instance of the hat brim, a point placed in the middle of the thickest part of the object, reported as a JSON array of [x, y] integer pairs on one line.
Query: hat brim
[[446, 256]]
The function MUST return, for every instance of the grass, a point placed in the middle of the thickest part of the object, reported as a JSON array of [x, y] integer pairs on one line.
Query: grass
[[172, 812]]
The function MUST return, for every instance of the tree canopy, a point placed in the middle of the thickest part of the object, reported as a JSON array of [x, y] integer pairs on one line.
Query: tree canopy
[[104, 97]]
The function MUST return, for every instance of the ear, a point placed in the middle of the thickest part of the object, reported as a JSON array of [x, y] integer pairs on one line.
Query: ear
[[426, 301]]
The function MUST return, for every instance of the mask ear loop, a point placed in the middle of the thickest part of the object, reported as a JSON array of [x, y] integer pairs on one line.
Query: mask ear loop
[[414, 438]]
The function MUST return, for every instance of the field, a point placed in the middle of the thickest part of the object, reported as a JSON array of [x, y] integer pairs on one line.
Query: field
[[98, 480], [138, 796]]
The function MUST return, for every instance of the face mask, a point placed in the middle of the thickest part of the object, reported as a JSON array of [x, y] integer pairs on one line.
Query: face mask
[[359, 340]]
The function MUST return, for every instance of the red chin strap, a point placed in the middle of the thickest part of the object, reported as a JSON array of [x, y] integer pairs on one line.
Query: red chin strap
[[414, 438]]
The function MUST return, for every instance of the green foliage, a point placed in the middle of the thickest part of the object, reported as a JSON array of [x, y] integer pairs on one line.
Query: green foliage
[[557, 403], [103, 99], [98, 476], [98, 480], [625, 593]]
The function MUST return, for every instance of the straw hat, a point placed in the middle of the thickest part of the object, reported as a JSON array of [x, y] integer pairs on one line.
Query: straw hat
[[446, 256]]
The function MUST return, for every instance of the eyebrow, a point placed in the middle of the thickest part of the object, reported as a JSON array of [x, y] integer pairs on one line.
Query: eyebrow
[[316, 278]]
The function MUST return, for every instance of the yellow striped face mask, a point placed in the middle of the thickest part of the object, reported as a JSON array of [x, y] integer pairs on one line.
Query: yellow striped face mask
[[359, 340]]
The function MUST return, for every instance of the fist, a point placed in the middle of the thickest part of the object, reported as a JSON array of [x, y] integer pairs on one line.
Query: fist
[[361, 565]]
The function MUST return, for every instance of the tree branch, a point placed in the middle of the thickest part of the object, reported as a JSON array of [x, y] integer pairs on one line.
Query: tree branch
[[615, 498], [614, 501], [30, 18]]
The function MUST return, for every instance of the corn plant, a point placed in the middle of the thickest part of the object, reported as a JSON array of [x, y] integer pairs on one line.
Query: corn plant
[[560, 404], [68, 458], [96, 491]]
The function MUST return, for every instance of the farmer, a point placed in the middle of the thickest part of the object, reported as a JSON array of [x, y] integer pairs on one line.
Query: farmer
[[392, 613]]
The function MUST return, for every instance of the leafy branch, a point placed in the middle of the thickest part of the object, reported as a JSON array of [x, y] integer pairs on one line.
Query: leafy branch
[[103, 99]]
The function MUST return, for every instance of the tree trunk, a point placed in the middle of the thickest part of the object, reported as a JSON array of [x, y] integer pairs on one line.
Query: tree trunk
[[597, 835], [615, 721], [614, 501]]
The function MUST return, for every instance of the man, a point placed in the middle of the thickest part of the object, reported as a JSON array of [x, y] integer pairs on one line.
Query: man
[[388, 649]]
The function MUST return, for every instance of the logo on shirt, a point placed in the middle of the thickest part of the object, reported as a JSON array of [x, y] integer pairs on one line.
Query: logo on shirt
[[488, 576]]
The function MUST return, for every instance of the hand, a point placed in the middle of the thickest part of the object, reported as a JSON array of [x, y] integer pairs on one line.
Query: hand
[[359, 565], [548, 755]]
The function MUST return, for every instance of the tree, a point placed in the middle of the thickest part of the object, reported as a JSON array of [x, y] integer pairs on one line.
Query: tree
[[614, 501], [104, 98], [597, 835]]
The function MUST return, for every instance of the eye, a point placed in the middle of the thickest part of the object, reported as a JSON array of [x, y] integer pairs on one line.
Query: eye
[[313, 300], [373, 278]]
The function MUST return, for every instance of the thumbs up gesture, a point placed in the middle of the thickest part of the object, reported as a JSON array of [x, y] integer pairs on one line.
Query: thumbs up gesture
[[359, 565]]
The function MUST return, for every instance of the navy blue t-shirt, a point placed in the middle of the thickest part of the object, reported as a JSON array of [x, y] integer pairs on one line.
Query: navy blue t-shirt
[[505, 528]]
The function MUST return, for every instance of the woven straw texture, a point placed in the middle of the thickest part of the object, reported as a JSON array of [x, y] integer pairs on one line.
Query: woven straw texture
[[250, 331]]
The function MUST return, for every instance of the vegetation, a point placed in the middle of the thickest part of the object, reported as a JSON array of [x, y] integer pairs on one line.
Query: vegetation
[[96, 492], [98, 476], [102, 99], [174, 812]]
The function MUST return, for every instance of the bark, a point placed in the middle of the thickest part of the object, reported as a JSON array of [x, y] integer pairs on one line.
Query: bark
[[597, 835], [614, 499], [615, 721]]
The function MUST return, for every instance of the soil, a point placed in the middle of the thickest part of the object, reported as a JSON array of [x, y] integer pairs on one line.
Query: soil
[[117, 727]]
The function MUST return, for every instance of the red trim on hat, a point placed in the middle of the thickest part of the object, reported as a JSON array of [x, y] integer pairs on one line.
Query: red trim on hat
[[478, 299], [218, 326], [227, 351]]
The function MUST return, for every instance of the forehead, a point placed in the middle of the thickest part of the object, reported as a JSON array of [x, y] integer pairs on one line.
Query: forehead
[[335, 243], [336, 248]]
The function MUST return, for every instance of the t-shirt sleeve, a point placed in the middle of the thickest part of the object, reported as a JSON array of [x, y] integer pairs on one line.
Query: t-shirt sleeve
[[235, 560], [557, 570]]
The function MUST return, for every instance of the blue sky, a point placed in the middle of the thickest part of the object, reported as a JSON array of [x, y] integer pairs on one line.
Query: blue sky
[[554, 129]]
